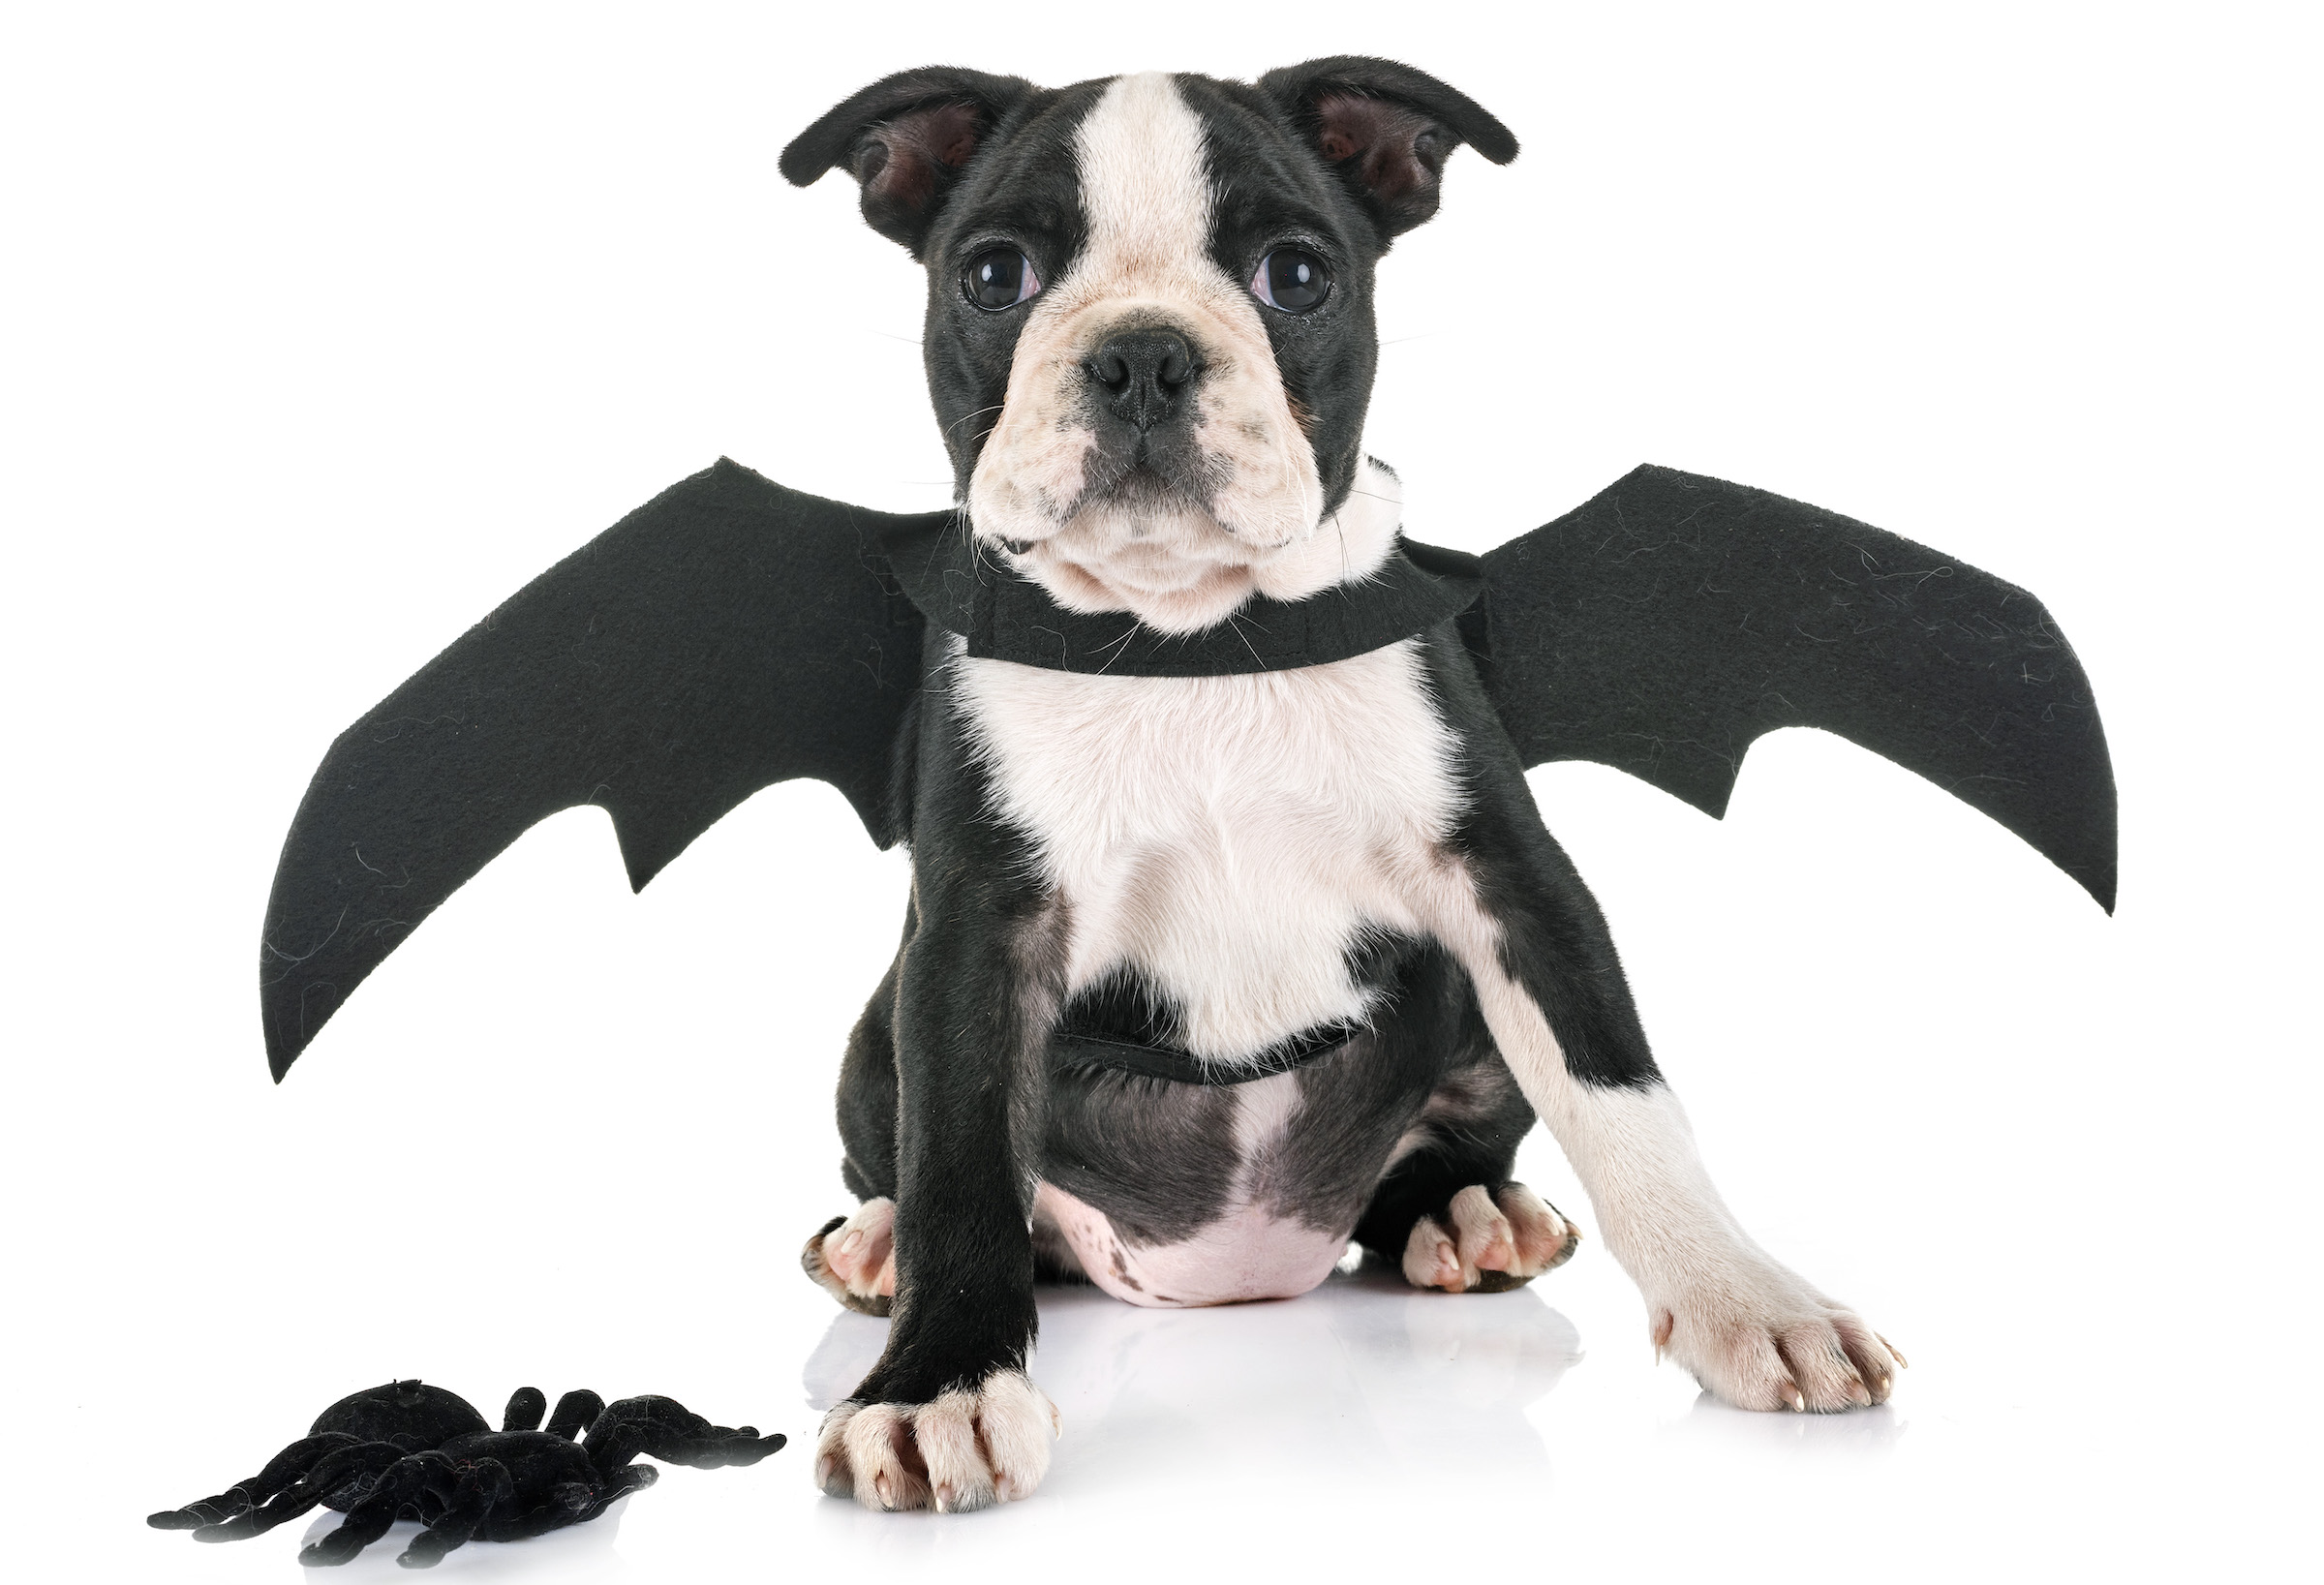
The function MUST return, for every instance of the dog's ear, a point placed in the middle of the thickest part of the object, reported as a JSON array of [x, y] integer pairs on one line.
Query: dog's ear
[[906, 139], [1386, 130]]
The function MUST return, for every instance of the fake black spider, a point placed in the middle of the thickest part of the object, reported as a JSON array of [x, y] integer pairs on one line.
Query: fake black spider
[[407, 1450]]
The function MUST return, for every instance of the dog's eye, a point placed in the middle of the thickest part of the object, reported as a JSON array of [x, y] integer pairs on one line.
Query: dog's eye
[[1291, 279], [999, 277]]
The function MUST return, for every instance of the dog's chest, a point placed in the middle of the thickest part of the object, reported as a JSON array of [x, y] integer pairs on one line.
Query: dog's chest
[[1229, 839]]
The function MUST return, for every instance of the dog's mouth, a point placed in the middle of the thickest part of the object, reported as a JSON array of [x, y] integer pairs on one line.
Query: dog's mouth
[[1140, 493], [1167, 489], [1136, 538], [1141, 534]]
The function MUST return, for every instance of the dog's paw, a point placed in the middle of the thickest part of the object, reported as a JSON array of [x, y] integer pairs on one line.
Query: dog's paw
[[968, 1450], [1496, 1241], [853, 1257], [1761, 1338]]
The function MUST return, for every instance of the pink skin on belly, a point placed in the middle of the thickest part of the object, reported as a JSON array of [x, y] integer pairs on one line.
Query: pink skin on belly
[[1246, 1254]]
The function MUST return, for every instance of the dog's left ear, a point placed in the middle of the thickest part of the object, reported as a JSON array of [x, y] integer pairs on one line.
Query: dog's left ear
[[906, 139], [1386, 130]]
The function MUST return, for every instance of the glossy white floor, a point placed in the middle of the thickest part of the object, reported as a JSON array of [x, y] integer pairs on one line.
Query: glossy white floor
[[326, 333]]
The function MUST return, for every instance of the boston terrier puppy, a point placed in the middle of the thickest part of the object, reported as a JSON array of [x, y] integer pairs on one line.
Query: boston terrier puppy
[[1204, 976]]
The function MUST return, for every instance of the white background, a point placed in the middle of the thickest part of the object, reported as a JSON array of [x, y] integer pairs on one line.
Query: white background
[[324, 330]]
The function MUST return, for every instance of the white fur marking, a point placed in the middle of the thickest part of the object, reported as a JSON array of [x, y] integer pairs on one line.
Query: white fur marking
[[976, 1448], [1429, 1258], [861, 1251], [1749, 1328], [1227, 838], [1147, 197]]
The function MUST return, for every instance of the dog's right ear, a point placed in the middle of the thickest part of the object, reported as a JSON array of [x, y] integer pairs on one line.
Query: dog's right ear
[[906, 139], [1386, 130]]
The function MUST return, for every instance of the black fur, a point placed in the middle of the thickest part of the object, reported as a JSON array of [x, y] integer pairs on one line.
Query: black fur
[[1385, 129], [952, 1098], [1158, 1157], [1555, 943], [906, 139], [977, 986]]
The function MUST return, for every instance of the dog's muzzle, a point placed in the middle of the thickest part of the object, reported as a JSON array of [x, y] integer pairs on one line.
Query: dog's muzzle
[[1141, 379], [1141, 399]]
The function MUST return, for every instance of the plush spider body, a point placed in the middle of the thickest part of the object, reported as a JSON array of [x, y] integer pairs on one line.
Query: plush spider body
[[407, 1450]]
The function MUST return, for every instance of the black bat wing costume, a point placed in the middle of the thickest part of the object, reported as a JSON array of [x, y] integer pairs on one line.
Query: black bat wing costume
[[732, 633]]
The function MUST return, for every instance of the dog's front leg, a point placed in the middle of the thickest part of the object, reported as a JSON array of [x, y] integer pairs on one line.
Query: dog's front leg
[[1520, 921], [948, 1417]]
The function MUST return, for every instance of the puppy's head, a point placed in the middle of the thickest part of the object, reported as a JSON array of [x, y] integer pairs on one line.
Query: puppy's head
[[1150, 332]]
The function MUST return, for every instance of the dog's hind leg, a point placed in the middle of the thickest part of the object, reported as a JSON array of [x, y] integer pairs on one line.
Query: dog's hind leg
[[1447, 1212], [853, 1257]]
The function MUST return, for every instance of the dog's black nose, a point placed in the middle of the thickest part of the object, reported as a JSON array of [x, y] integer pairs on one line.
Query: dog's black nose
[[1141, 373]]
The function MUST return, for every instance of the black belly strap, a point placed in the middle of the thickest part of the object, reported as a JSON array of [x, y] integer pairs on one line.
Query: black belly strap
[[1072, 1051]]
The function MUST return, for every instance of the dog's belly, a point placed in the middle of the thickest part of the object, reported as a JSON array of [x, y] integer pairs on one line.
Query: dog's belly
[[1172, 1194], [1167, 1193], [1249, 1253]]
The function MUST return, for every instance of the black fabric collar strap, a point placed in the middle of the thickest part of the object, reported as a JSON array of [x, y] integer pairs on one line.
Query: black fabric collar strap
[[1070, 1051], [1005, 615]]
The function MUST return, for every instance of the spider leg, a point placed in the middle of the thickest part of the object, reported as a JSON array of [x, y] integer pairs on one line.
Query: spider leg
[[666, 1429], [568, 1503], [576, 1412], [526, 1406], [339, 1478], [618, 1485], [402, 1483], [483, 1486], [282, 1472]]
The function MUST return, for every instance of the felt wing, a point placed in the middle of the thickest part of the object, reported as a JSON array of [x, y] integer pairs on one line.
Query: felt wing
[[1664, 626], [727, 635]]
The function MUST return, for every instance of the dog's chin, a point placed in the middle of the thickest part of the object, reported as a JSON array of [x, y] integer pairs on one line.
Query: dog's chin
[[1205, 602], [1175, 565], [1170, 564], [1149, 549]]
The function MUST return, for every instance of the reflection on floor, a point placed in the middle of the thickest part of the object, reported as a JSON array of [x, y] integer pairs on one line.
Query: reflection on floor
[[1364, 1376], [561, 1554]]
